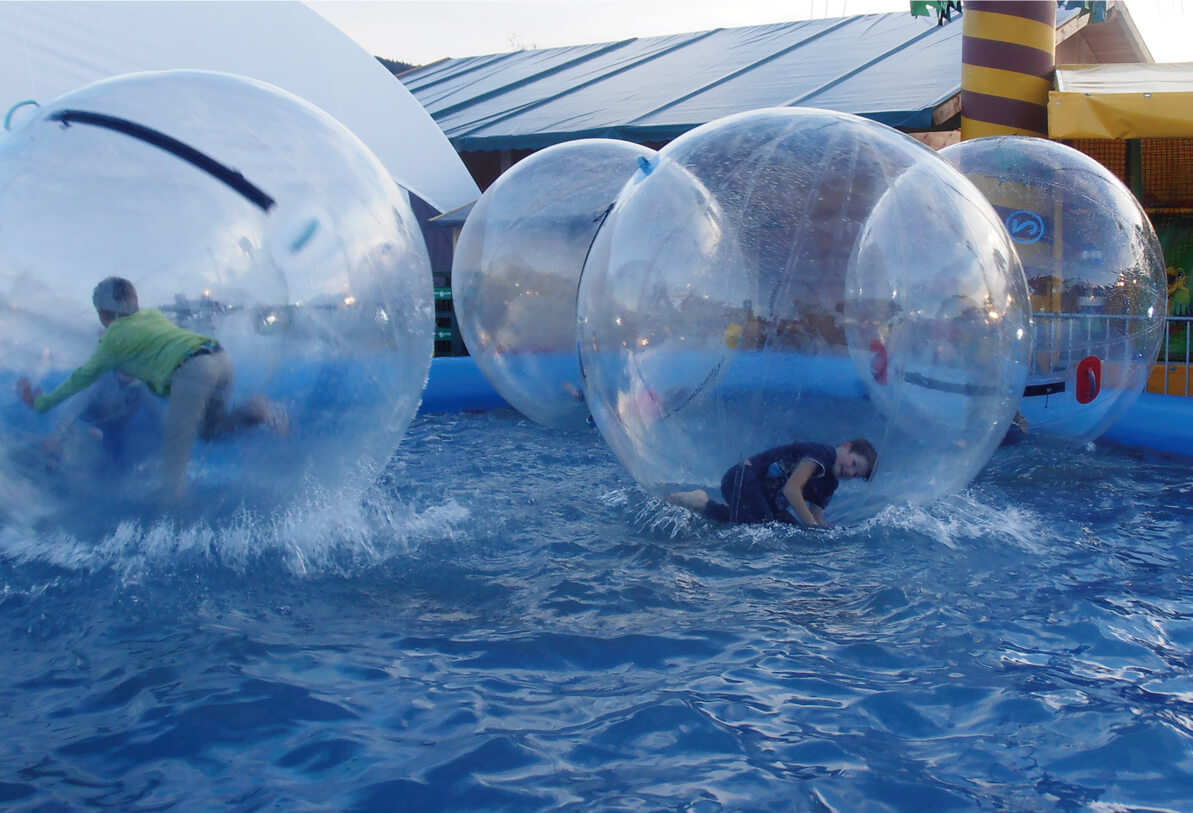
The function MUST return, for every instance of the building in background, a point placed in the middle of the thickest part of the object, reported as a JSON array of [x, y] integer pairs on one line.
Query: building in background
[[899, 69]]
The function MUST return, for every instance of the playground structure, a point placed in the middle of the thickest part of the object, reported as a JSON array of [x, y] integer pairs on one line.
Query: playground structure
[[1137, 120]]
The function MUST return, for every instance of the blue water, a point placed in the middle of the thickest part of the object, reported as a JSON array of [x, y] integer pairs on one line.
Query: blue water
[[508, 623]]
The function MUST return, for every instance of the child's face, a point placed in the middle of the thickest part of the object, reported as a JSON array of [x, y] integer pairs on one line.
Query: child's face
[[850, 464]]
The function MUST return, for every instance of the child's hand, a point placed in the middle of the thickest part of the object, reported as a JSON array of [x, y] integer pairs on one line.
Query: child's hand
[[26, 392]]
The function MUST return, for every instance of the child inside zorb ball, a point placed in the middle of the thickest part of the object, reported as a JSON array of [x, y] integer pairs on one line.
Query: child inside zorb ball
[[801, 274], [227, 220], [192, 371]]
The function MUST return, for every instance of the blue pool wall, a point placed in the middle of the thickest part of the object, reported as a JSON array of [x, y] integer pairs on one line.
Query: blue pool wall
[[1158, 423]]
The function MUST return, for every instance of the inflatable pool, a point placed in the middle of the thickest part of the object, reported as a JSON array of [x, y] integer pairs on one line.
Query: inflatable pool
[[1159, 423]]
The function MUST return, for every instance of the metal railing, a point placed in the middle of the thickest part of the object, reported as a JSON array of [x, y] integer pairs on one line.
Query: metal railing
[[1064, 339], [1071, 336], [1175, 358]]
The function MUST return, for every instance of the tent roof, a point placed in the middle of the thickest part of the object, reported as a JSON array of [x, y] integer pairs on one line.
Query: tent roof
[[49, 48], [1148, 100], [895, 68]]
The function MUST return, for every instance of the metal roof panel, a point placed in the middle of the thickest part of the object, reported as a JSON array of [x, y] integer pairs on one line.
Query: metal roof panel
[[894, 68]]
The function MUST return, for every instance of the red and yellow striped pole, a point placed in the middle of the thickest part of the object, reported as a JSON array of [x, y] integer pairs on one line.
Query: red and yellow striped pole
[[1008, 54]]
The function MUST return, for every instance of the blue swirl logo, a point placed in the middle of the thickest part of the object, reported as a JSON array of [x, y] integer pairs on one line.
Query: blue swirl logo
[[1025, 226]]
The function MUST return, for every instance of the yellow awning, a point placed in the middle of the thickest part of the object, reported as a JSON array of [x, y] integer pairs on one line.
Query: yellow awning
[[1143, 100]]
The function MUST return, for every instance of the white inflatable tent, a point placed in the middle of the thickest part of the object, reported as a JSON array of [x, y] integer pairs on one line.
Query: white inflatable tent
[[51, 48]]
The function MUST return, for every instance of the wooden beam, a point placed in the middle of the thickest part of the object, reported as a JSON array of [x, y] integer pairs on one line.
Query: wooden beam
[[946, 110]]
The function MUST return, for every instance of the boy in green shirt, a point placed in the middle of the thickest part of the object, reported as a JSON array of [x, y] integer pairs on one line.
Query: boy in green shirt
[[192, 371]]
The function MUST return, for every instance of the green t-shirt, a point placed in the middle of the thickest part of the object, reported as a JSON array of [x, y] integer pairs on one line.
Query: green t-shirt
[[145, 345]]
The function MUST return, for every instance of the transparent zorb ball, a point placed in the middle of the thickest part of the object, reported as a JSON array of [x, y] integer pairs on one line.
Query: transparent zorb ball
[[517, 264], [803, 275], [1095, 273], [246, 215]]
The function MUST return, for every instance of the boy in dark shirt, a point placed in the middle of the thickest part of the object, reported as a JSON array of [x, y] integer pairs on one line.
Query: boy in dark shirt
[[791, 483]]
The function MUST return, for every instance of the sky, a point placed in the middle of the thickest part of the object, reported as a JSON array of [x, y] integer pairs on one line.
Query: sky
[[423, 31]]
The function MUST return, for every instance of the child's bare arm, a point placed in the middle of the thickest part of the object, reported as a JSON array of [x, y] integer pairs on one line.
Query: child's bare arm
[[793, 490], [26, 392]]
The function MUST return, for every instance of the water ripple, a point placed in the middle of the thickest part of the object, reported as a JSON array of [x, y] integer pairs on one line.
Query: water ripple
[[506, 622]]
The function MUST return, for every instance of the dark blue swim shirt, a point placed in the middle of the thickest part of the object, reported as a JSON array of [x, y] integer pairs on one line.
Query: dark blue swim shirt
[[778, 463]]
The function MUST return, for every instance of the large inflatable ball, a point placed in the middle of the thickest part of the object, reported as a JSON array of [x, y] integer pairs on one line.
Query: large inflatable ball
[[238, 212], [1095, 272], [517, 264], [803, 275]]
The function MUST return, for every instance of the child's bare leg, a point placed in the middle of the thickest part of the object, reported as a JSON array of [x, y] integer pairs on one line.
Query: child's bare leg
[[255, 411], [221, 420], [190, 390], [694, 500], [260, 409]]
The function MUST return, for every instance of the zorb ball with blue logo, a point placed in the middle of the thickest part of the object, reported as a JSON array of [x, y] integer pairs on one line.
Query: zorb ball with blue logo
[[1095, 273], [798, 274], [242, 213], [517, 264]]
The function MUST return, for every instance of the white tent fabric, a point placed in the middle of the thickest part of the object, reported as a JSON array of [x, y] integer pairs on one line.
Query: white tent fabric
[[51, 48]]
